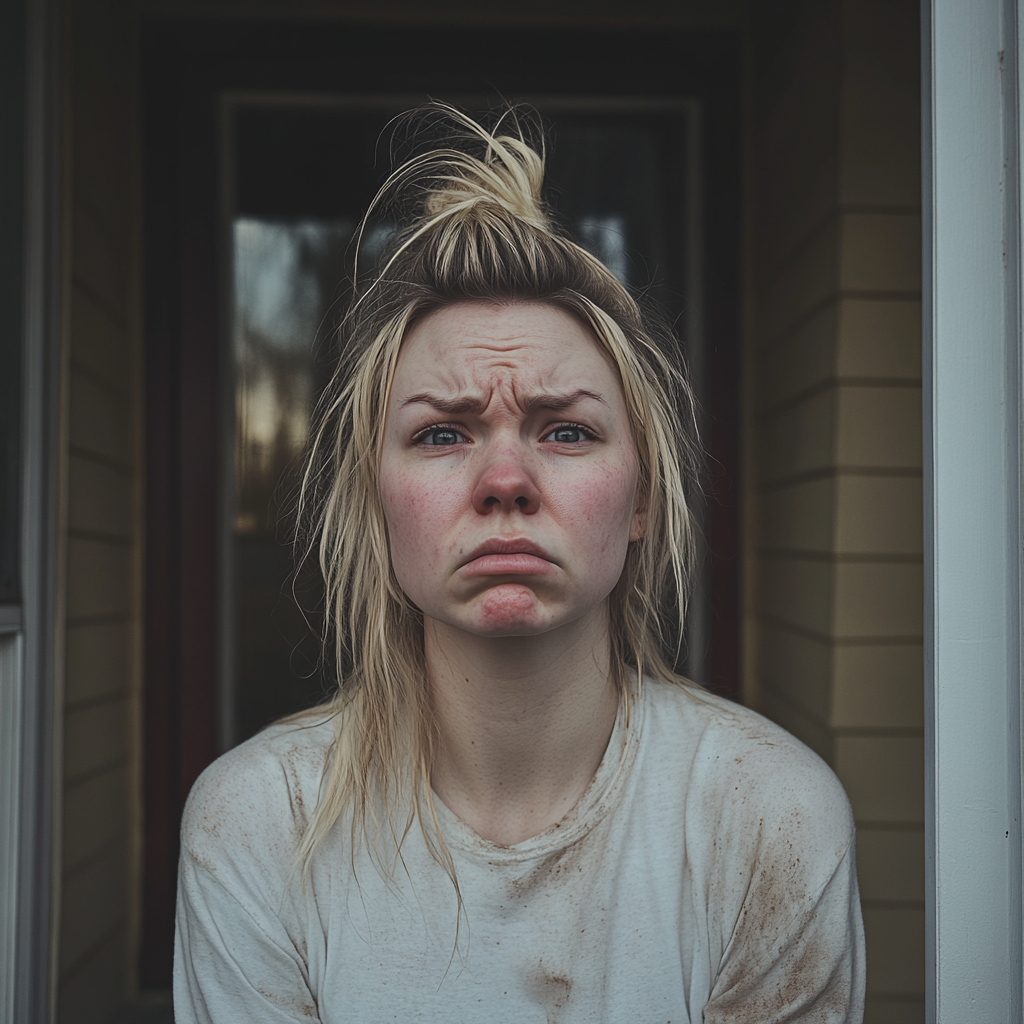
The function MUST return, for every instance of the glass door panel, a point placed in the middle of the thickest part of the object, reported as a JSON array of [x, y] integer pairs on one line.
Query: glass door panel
[[619, 178]]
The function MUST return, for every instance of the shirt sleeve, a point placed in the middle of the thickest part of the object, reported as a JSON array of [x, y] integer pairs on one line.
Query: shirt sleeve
[[784, 883], [238, 953], [795, 955]]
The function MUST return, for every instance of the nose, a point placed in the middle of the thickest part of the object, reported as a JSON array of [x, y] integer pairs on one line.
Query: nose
[[506, 484]]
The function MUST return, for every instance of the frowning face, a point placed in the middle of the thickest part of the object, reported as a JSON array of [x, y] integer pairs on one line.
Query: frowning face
[[508, 475]]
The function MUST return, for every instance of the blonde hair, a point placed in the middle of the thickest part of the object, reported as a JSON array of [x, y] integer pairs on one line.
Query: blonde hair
[[475, 228]]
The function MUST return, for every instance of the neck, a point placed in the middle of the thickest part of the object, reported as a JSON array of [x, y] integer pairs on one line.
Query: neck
[[523, 723]]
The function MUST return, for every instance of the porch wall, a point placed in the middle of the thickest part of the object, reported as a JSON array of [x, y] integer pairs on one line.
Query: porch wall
[[100, 835], [835, 497], [834, 635]]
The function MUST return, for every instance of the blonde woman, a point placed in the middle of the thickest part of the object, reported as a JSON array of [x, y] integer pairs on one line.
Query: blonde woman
[[513, 809]]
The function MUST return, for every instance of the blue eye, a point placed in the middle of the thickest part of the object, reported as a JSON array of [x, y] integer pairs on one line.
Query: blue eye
[[441, 436], [570, 433]]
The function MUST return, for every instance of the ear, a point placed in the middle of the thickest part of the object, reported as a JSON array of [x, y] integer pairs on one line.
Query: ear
[[639, 523]]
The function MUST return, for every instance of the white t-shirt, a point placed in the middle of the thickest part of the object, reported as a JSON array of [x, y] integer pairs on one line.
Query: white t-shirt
[[707, 874]]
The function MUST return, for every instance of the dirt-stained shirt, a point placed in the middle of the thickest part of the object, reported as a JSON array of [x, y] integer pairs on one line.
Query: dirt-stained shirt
[[707, 874]]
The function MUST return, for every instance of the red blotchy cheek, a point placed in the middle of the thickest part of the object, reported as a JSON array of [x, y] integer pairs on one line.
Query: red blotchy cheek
[[599, 509], [411, 512]]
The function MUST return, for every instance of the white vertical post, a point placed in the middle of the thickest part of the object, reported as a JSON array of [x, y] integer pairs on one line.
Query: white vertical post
[[10, 806], [972, 385]]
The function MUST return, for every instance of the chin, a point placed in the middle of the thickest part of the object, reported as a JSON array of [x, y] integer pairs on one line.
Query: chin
[[510, 610]]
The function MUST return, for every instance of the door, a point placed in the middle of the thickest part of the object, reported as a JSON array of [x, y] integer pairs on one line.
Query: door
[[261, 144]]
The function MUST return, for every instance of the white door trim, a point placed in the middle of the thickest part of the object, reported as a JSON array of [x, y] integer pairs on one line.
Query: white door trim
[[972, 387]]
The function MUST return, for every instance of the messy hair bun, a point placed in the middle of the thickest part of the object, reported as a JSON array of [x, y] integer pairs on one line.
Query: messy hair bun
[[474, 223], [473, 226]]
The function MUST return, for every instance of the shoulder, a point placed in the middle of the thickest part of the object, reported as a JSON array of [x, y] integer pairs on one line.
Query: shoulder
[[745, 773], [259, 796]]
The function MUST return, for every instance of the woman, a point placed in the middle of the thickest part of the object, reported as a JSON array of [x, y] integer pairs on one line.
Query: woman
[[513, 809]]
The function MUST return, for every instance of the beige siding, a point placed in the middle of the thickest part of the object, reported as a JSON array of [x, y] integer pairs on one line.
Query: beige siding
[[835, 421], [833, 644], [102, 686]]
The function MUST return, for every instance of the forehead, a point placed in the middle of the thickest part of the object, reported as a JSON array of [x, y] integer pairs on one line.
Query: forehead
[[482, 343]]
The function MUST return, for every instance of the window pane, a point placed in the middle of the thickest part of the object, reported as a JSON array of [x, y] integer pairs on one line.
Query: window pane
[[286, 273], [617, 180]]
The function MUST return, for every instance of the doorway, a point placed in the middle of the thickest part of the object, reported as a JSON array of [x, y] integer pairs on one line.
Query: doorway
[[261, 153], [622, 176]]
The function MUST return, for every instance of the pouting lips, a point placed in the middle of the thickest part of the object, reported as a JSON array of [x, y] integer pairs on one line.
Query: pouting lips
[[508, 554]]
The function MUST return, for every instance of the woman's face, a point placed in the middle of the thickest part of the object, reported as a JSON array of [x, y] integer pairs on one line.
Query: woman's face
[[508, 475]]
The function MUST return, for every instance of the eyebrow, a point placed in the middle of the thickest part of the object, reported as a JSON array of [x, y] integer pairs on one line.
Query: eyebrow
[[545, 401]]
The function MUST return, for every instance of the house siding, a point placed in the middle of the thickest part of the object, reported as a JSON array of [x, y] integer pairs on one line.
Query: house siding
[[835, 589], [832, 551], [102, 687]]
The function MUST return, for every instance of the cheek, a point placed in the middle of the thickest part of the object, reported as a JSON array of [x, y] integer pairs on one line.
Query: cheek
[[598, 512], [418, 513]]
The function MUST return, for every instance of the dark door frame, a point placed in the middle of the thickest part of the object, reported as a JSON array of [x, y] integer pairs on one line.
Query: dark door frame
[[187, 66]]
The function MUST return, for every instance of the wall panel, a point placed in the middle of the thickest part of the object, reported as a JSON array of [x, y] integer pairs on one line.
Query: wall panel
[[95, 970], [835, 442]]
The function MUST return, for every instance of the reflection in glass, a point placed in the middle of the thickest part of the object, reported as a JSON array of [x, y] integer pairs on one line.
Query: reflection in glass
[[616, 181], [605, 237], [286, 276]]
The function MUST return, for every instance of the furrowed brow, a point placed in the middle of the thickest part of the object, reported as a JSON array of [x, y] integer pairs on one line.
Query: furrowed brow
[[555, 402], [452, 406], [546, 401]]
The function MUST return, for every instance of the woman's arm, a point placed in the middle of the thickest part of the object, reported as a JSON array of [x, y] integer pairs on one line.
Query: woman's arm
[[795, 955], [773, 842], [240, 950], [233, 958]]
